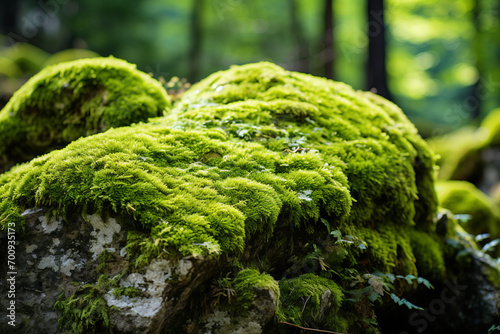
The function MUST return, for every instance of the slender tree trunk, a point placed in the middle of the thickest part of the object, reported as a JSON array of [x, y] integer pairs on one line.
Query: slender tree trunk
[[8, 16], [474, 105], [302, 46], [376, 72], [328, 52], [194, 55]]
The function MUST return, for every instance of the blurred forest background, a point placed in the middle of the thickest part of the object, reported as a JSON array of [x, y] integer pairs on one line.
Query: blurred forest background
[[438, 60]]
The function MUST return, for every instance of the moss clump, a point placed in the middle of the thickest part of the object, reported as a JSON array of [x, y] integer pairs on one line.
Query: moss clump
[[74, 99], [491, 125], [389, 248], [461, 197], [312, 301], [428, 252], [245, 284]]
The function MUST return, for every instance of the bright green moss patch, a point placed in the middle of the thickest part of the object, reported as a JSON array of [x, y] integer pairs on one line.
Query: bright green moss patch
[[387, 164], [459, 152], [245, 284], [461, 197], [155, 175], [312, 301], [491, 124], [74, 99]]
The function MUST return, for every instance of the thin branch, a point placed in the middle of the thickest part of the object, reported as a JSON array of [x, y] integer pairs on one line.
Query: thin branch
[[310, 329], [305, 304]]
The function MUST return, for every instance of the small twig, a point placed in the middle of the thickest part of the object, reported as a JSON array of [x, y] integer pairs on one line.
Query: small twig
[[310, 329], [305, 304]]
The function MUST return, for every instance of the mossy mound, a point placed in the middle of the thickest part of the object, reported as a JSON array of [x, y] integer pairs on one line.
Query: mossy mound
[[462, 197], [388, 165], [74, 99], [256, 163], [194, 191]]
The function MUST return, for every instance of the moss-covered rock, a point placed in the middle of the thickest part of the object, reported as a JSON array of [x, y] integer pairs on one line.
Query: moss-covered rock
[[462, 197], [471, 154], [323, 188], [74, 99], [388, 166]]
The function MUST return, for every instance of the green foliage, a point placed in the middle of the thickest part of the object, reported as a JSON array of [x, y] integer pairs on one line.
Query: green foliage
[[74, 99], [376, 285], [493, 328], [86, 311]]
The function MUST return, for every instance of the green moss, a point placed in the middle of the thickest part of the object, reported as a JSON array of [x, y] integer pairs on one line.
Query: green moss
[[312, 301], [245, 284], [86, 311], [491, 125], [104, 258], [428, 253], [462, 150], [74, 99], [249, 160], [127, 291], [28, 57], [461, 197], [388, 166], [389, 249], [156, 176]]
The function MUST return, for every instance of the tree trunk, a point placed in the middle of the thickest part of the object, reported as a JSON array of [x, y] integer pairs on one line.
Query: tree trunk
[[302, 46], [328, 52], [376, 72], [194, 55], [9, 16], [474, 105]]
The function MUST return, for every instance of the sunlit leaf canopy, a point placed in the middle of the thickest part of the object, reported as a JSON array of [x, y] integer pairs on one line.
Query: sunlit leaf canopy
[[442, 56]]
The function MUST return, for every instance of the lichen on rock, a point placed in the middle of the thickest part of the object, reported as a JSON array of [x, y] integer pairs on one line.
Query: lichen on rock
[[74, 99]]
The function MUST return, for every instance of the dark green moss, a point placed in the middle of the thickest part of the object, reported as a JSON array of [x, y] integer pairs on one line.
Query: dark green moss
[[86, 311], [74, 99], [428, 253], [312, 301]]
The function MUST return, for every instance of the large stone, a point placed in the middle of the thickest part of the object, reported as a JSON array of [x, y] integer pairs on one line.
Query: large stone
[[265, 200]]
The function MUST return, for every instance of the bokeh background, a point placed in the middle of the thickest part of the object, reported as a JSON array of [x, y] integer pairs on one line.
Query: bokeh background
[[438, 60]]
